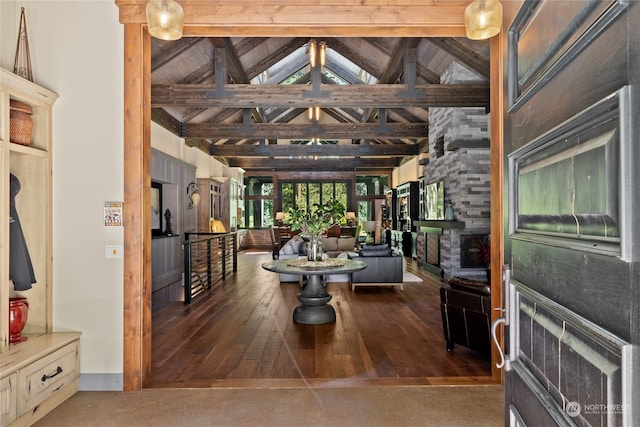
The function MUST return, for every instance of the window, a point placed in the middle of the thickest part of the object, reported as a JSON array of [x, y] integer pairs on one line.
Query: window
[[259, 201], [306, 194], [367, 185], [368, 189]]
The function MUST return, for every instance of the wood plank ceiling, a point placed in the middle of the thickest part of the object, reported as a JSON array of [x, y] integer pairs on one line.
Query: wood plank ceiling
[[245, 100]]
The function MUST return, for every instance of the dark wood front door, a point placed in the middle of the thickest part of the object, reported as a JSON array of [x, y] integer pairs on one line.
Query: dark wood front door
[[572, 150]]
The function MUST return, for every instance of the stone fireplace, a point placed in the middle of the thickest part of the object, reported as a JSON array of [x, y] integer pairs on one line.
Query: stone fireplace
[[459, 156]]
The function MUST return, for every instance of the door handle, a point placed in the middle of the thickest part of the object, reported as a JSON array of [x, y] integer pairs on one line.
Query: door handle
[[494, 326], [504, 319]]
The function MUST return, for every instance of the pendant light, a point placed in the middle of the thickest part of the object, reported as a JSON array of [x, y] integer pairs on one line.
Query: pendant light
[[314, 113], [483, 19], [165, 19], [317, 51]]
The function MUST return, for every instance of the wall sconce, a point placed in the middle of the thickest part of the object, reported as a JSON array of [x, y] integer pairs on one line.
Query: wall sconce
[[351, 218], [165, 19], [483, 19], [279, 218], [193, 194]]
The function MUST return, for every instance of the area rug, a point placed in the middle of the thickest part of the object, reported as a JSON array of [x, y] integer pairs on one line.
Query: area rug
[[410, 277]]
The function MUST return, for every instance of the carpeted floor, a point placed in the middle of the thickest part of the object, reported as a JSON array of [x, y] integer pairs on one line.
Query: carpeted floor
[[337, 406]]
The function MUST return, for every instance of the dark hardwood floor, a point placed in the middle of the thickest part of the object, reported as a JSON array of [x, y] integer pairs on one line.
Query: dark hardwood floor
[[241, 334]]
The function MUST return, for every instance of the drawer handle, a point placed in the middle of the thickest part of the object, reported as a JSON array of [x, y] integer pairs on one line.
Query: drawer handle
[[47, 377]]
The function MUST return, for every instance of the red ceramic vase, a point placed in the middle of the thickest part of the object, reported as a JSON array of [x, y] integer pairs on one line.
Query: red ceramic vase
[[18, 310]]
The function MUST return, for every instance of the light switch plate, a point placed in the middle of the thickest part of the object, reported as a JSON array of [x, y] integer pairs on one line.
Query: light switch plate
[[114, 251]]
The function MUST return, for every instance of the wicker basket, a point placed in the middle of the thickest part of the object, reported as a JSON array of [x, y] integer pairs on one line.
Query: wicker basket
[[21, 123]]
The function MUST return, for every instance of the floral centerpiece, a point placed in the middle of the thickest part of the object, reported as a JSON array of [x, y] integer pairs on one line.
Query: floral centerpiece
[[315, 221]]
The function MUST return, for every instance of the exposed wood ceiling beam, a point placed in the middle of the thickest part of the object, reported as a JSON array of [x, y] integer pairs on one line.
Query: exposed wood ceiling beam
[[296, 150], [426, 73], [253, 96], [288, 70], [247, 44], [280, 54], [355, 57], [223, 46], [306, 130], [166, 120], [343, 72], [200, 144], [464, 55], [396, 67], [406, 115], [321, 164], [171, 51]]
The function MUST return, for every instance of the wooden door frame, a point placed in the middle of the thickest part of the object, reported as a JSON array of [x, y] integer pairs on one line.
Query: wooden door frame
[[269, 18]]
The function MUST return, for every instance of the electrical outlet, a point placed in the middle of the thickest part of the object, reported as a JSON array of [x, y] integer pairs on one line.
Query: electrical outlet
[[113, 251]]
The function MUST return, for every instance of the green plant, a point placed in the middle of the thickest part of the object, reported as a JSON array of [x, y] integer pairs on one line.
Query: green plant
[[316, 220]]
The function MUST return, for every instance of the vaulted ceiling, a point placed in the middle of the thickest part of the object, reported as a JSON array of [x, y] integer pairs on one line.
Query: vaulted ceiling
[[245, 100]]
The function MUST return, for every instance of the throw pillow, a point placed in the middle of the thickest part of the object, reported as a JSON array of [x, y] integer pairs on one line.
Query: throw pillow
[[329, 243], [375, 250], [346, 243]]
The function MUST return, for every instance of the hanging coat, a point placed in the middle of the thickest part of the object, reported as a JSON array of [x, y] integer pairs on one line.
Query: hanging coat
[[20, 267]]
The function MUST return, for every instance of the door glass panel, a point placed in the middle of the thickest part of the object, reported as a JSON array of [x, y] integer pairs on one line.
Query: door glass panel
[[567, 182]]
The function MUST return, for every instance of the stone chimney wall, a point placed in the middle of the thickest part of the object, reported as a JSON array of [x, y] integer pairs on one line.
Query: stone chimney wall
[[465, 170]]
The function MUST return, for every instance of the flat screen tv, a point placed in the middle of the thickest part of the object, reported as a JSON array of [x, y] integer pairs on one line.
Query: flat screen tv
[[434, 200]]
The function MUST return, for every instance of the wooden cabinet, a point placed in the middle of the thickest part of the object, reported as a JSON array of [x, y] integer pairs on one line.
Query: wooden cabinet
[[422, 198], [26, 185], [209, 203], [222, 199], [389, 217], [407, 205]]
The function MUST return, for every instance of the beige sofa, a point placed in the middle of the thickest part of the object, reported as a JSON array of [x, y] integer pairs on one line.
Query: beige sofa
[[333, 246]]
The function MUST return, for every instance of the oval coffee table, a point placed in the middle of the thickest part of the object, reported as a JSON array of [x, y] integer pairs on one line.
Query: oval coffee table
[[313, 308]]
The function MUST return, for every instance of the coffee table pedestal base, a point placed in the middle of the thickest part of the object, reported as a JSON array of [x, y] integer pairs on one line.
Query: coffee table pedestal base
[[314, 309]]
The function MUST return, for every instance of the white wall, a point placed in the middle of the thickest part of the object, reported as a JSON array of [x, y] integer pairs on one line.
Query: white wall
[[77, 51], [174, 146], [408, 171]]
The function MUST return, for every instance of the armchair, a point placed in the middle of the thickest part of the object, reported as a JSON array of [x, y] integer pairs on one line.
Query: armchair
[[384, 267], [466, 314]]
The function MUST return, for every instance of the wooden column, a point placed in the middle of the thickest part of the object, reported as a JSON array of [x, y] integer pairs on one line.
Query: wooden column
[[496, 82], [137, 199]]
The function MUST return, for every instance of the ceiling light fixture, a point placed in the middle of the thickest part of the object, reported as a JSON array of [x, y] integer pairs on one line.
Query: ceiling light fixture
[[165, 19], [483, 19], [314, 113], [317, 50]]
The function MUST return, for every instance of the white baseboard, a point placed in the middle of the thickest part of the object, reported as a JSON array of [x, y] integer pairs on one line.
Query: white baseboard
[[100, 382]]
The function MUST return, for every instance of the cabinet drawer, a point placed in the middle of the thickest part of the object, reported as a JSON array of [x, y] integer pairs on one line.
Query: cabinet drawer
[[46, 376], [8, 399]]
